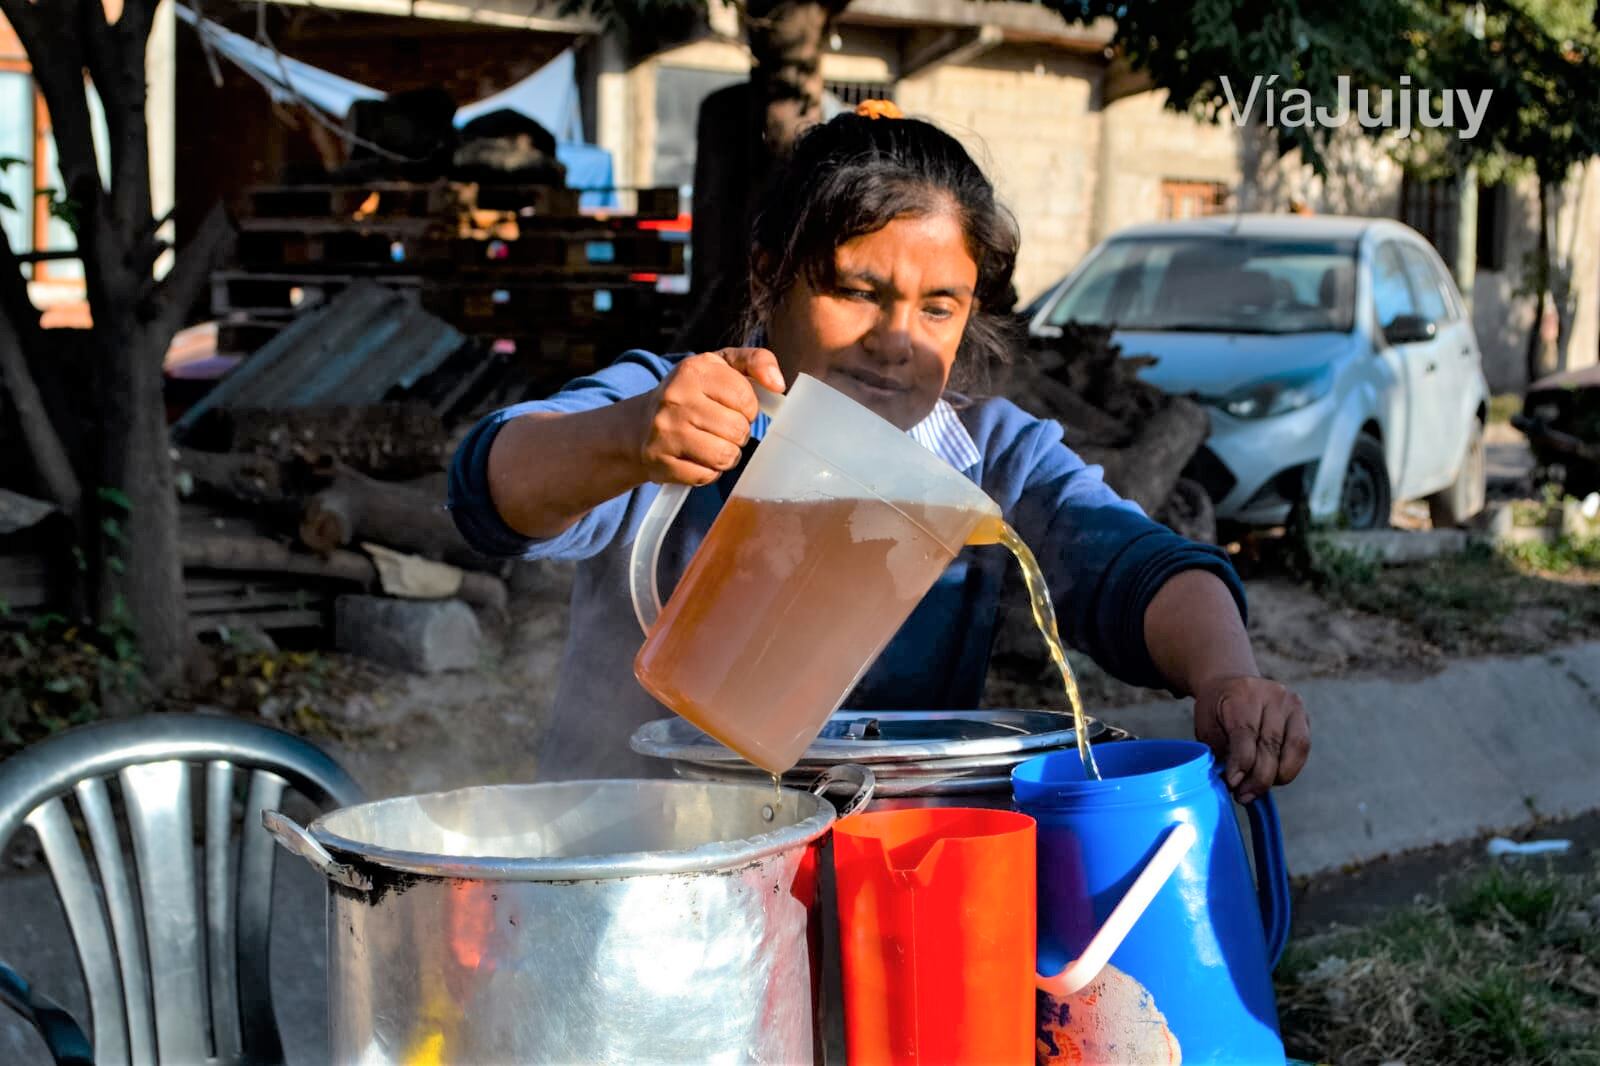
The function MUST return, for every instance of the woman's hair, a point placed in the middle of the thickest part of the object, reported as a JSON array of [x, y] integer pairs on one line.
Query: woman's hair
[[854, 175]]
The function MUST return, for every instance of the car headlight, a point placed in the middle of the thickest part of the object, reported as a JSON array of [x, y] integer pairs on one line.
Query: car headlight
[[1279, 395]]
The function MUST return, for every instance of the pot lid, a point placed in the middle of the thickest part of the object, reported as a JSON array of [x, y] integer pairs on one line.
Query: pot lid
[[886, 737]]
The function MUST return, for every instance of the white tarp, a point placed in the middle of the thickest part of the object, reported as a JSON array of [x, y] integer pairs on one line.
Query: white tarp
[[287, 80]]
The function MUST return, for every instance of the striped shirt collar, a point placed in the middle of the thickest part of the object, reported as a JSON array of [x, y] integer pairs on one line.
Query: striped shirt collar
[[941, 433]]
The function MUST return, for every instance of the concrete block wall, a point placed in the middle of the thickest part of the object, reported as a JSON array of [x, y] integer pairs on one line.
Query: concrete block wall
[[1144, 144], [1030, 116]]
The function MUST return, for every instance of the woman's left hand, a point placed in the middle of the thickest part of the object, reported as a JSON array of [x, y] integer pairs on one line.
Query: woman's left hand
[[1258, 727]]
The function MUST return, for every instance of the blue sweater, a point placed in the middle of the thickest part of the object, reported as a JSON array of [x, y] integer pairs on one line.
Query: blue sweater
[[1103, 559]]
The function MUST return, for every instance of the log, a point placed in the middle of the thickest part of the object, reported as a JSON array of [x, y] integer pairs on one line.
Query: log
[[1147, 469], [264, 555], [237, 476], [356, 508], [391, 441], [1141, 436]]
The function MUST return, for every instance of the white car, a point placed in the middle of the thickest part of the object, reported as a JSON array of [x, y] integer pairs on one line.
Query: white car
[[1335, 354]]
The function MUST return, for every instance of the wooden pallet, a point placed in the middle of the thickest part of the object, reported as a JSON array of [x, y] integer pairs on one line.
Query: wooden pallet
[[592, 252], [275, 296], [373, 200], [398, 199]]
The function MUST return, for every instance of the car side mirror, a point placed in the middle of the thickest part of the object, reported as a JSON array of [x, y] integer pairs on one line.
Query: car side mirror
[[1410, 329]]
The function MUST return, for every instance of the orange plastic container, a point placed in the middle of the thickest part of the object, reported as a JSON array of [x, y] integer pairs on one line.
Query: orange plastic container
[[936, 922]]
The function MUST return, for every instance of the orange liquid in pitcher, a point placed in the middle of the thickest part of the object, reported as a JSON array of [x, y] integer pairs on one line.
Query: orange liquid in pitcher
[[782, 609], [760, 651]]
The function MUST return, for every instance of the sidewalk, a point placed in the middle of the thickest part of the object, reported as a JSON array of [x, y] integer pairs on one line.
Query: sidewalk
[[1483, 745]]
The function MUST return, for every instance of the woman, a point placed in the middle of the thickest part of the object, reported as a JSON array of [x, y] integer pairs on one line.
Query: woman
[[880, 264]]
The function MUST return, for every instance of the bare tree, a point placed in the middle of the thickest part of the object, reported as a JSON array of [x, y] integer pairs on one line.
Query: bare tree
[[73, 45]]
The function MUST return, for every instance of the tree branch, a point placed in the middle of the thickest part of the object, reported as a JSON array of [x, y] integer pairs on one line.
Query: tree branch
[[49, 32], [15, 303], [176, 293], [117, 55], [44, 444]]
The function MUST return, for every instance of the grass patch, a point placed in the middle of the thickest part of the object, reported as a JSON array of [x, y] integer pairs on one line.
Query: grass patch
[[1503, 969], [1516, 599], [1503, 406]]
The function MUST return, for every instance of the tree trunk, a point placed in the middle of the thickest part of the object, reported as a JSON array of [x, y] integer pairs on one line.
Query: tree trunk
[[137, 463], [741, 131], [50, 458], [1535, 354]]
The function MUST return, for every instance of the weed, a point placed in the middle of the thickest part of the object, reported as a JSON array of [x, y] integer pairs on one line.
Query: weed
[[1503, 406], [55, 673], [1503, 969]]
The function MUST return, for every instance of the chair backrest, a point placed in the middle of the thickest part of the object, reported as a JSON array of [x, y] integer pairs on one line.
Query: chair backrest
[[175, 958]]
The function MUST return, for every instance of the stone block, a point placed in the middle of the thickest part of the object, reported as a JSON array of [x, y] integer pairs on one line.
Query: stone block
[[422, 636]]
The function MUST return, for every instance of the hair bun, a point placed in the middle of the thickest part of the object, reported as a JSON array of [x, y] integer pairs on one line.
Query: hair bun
[[879, 109]]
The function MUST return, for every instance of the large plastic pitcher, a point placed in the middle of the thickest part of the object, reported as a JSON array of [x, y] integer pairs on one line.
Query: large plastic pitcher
[[837, 528], [1190, 979], [936, 928]]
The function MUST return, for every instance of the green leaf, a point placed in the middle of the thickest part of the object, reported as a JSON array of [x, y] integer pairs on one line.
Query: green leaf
[[116, 565], [111, 528], [115, 497]]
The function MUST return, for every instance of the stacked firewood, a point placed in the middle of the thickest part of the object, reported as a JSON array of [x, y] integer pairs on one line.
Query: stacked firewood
[[1142, 436]]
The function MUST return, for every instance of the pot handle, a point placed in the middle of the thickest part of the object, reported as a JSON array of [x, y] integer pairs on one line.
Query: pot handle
[[1077, 974], [645, 558], [848, 774], [293, 836], [1272, 874]]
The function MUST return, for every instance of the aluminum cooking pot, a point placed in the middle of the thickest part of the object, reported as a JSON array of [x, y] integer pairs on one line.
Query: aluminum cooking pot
[[589, 921]]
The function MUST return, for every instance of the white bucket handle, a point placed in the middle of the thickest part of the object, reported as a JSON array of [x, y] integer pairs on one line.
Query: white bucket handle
[[1077, 974]]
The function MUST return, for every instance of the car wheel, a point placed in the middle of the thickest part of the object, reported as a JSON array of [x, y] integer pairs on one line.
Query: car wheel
[[1465, 497], [1365, 499]]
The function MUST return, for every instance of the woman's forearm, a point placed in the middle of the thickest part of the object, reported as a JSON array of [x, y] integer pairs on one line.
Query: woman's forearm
[[1195, 635], [548, 470]]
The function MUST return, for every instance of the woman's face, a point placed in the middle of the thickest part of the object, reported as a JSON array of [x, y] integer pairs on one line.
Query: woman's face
[[886, 334]]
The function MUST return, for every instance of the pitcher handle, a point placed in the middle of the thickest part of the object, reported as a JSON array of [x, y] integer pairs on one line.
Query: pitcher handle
[[647, 553], [646, 557], [1272, 874], [1077, 974]]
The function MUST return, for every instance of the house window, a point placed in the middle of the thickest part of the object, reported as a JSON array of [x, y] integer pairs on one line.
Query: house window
[[33, 174], [1192, 199], [851, 93], [19, 146]]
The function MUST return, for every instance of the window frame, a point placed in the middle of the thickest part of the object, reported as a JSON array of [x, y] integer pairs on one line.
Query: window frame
[[1384, 245]]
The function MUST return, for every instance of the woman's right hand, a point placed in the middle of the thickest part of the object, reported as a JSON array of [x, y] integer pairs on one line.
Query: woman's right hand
[[698, 419]]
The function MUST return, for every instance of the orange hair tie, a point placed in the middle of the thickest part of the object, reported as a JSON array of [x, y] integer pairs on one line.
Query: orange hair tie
[[879, 109]]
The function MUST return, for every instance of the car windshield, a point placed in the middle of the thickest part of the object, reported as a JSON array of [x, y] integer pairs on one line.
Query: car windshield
[[1215, 284]]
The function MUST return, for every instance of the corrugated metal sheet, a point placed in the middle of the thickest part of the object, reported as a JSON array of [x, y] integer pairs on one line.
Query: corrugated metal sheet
[[355, 350], [19, 512]]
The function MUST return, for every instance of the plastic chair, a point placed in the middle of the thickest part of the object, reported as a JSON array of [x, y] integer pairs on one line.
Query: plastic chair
[[174, 974]]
